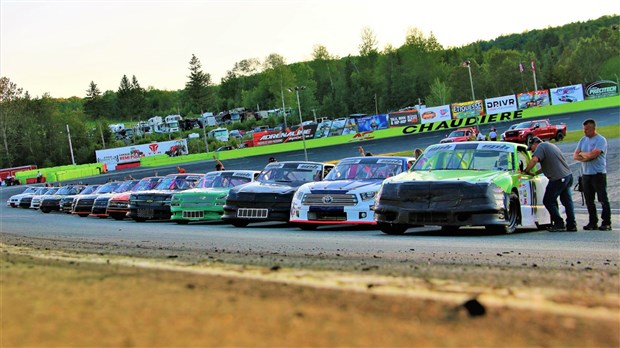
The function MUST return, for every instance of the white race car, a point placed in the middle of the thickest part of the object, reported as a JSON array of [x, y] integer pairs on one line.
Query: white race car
[[347, 194]]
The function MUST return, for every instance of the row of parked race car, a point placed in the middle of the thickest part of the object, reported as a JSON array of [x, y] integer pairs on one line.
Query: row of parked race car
[[450, 185]]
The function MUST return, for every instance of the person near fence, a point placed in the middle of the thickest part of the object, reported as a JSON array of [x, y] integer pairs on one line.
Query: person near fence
[[591, 151]]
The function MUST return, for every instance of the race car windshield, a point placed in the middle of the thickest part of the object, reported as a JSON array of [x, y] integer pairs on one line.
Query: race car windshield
[[222, 180], [125, 186], [365, 170], [145, 184], [108, 188], [464, 159], [291, 174], [69, 190], [522, 125]]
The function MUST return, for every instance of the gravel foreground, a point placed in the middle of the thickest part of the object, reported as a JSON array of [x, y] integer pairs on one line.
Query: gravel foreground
[[53, 298]]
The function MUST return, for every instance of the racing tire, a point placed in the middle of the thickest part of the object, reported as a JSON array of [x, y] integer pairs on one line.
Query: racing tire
[[137, 219], [392, 229], [118, 217], [559, 136], [238, 223], [45, 211], [512, 216], [181, 222], [82, 215], [528, 140]]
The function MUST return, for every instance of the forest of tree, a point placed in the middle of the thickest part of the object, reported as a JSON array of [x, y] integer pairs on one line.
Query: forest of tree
[[34, 130]]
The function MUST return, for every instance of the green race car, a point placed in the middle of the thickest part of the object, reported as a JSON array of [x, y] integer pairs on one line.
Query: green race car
[[206, 201], [474, 183]]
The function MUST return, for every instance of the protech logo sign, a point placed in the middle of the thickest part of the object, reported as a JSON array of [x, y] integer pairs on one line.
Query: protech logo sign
[[601, 89]]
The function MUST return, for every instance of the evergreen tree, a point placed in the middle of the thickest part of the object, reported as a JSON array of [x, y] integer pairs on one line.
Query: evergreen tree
[[197, 93], [93, 106]]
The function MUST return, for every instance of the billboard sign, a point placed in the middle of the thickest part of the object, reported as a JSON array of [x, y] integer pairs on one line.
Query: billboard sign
[[498, 105], [403, 118], [285, 136], [566, 94], [468, 109], [601, 89], [533, 99], [130, 154], [436, 114]]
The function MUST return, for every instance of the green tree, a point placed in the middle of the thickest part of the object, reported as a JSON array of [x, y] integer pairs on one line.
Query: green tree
[[93, 106], [197, 88], [124, 98], [10, 95]]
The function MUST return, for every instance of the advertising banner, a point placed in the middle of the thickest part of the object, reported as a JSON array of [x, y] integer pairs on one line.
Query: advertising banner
[[130, 154], [288, 135], [468, 109], [323, 129], [371, 123], [436, 114], [533, 98], [566, 94], [403, 118], [601, 89], [498, 105]]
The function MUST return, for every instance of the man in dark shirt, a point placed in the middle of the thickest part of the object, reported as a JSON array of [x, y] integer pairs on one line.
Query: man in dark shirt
[[556, 169]]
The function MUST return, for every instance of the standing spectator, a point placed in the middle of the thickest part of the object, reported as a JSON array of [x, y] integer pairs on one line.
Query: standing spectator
[[591, 151], [555, 168], [39, 177], [180, 169], [271, 160], [493, 134], [481, 137], [219, 166]]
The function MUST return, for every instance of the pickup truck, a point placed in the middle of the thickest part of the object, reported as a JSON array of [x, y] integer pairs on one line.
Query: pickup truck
[[525, 131]]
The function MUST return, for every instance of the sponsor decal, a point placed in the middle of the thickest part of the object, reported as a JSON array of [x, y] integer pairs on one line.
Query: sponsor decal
[[436, 114], [371, 123], [463, 122], [601, 89], [362, 136], [153, 147]]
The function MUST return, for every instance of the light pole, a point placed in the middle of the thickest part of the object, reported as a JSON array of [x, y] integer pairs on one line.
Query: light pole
[[467, 64], [283, 107], [70, 146], [301, 122]]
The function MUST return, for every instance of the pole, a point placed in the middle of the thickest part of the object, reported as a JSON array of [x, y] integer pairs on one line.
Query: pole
[[204, 131], [101, 132], [283, 107], [301, 122], [70, 145], [534, 75], [376, 108], [471, 82]]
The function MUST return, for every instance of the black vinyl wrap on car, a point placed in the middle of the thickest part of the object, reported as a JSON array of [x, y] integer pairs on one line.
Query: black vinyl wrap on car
[[437, 196]]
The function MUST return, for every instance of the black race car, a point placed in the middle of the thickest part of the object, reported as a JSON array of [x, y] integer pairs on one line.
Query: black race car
[[269, 197]]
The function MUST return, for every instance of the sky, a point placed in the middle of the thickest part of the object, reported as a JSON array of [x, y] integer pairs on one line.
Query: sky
[[59, 47]]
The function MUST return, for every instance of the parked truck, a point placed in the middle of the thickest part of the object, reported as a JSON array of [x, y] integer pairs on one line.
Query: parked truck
[[525, 131]]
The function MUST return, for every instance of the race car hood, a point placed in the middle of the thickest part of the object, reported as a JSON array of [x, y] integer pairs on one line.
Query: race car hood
[[343, 185], [499, 178], [203, 191], [121, 196], [261, 187]]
